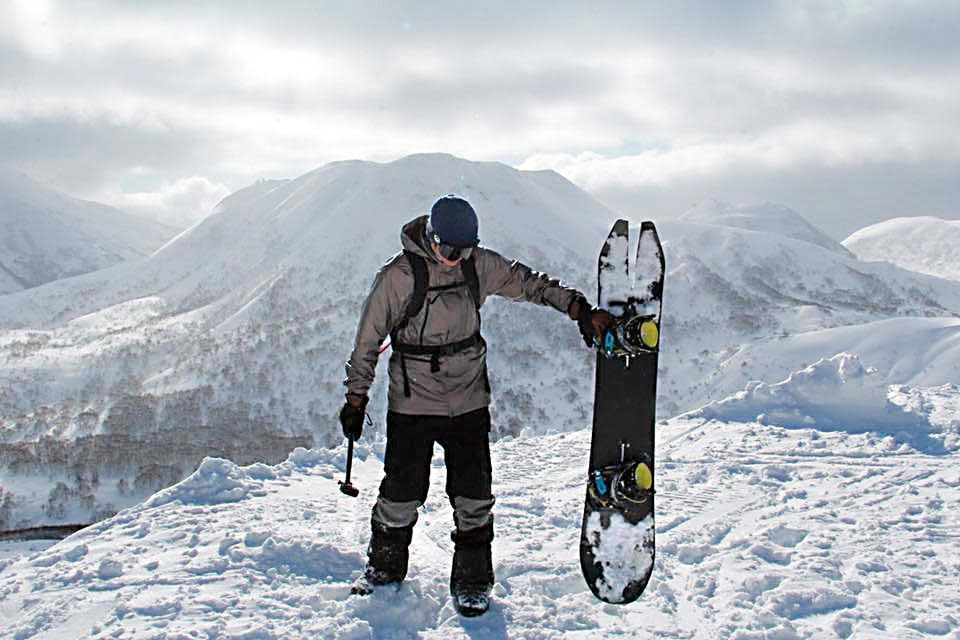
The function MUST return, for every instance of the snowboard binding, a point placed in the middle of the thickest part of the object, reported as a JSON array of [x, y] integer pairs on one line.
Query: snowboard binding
[[625, 487], [631, 337]]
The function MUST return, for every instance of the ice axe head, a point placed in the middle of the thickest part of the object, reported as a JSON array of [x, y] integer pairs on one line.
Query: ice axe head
[[349, 489]]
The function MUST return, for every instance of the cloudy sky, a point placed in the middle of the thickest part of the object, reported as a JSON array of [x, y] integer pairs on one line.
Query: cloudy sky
[[846, 111]]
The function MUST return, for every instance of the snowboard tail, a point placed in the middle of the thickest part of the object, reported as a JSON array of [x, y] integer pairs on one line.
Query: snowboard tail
[[617, 536]]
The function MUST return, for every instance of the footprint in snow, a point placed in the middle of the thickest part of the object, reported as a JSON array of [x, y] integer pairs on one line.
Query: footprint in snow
[[769, 554], [786, 536]]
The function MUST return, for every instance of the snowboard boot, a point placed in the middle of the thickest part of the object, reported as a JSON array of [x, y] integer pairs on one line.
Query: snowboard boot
[[387, 558], [471, 577]]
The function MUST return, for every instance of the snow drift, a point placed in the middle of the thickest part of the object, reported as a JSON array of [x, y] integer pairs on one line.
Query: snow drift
[[838, 393]]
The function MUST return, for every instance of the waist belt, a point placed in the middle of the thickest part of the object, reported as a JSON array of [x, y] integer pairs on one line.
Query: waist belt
[[434, 351]]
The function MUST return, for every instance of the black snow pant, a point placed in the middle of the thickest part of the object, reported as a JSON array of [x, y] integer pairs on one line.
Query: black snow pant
[[466, 448]]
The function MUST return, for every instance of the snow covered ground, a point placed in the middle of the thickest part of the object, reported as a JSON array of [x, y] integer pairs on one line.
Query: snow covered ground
[[846, 530]]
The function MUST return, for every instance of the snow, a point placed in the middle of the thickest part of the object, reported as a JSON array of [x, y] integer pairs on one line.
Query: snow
[[230, 339], [835, 393], [215, 481], [623, 276], [921, 243], [920, 352], [623, 549], [766, 217], [764, 531], [11, 549], [613, 274]]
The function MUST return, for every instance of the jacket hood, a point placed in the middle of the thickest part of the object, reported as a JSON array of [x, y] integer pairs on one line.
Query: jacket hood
[[413, 237]]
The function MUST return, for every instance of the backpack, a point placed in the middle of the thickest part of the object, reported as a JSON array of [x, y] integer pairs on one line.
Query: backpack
[[421, 287], [421, 278]]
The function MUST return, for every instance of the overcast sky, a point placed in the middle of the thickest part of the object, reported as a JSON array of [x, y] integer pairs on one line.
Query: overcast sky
[[846, 111]]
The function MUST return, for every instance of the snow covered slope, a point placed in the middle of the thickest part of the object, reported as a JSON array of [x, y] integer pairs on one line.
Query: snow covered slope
[[339, 220], [728, 290], [48, 235], [922, 243], [916, 351], [230, 339], [764, 531], [766, 217]]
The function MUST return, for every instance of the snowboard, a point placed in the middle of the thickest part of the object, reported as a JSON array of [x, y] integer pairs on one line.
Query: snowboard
[[617, 536]]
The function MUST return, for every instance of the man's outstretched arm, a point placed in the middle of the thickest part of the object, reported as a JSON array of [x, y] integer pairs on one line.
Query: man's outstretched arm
[[515, 280]]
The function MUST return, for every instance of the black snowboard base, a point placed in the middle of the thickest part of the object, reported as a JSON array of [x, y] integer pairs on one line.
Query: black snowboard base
[[617, 536]]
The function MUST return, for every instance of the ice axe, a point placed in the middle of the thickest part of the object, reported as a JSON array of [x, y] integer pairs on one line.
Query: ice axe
[[345, 486]]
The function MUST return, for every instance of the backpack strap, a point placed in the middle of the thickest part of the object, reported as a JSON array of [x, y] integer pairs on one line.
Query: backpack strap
[[469, 269], [421, 277]]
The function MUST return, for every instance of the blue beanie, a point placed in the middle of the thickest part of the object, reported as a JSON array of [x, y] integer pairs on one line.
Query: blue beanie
[[454, 220]]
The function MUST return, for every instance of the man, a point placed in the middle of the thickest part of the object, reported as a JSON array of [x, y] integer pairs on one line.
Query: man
[[428, 300]]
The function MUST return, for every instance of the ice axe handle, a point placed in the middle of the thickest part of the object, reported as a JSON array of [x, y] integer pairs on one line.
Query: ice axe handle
[[345, 486]]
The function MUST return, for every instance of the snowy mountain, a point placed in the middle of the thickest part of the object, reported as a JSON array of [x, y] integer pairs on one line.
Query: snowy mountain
[[837, 528], [730, 290], [922, 243], [767, 217], [230, 339], [48, 235], [807, 480]]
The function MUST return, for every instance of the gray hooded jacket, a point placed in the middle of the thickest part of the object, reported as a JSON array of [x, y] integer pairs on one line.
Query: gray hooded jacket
[[447, 316]]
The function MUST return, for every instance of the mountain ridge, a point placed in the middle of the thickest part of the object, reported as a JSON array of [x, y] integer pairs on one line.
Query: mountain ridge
[[49, 235]]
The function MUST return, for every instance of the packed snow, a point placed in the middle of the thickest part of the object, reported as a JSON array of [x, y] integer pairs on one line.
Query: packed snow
[[613, 273], [922, 243]]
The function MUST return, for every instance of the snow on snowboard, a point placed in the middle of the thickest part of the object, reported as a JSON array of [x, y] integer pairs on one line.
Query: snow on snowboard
[[617, 536]]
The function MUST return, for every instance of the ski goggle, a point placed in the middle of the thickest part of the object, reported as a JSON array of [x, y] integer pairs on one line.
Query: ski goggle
[[448, 251]]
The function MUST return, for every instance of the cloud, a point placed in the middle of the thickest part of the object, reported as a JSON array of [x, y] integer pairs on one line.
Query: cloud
[[635, 96], [839, 202], [178, 204], [803, 144]]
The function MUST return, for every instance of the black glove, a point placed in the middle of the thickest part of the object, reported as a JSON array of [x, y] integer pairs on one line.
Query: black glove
[[580, 311], [591, 322], [352, 414]]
